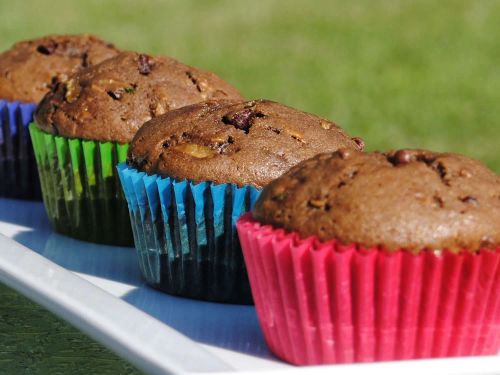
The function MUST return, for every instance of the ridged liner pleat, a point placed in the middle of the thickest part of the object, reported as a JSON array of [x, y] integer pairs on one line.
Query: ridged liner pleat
[[81, 189], [329, 303], [186, 237], [18, 174]]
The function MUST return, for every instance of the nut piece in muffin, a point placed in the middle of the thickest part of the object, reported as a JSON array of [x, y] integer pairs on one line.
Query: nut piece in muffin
[[112, 100], [31, 68], [410, 199], [250, 142]]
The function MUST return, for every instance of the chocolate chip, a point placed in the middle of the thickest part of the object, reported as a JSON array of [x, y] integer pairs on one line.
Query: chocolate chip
[[359, 143], [424, 158], [469, 199], [54, 83], [171, 141], [138, 161], [241, 120], [145, 64], [48, 48], [441, 170], [85, 59], [487, 241], [438, 201], [344, 153], [194, 81], [274, 130], [401, 157], [116, 94]]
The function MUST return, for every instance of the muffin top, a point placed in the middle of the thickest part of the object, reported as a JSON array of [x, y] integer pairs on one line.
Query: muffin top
[[112, 100], [233, 142], [29, 69], [410, 199]]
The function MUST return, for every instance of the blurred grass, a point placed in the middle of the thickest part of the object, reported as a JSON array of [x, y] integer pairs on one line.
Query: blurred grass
[[33, 341], [400, 74]]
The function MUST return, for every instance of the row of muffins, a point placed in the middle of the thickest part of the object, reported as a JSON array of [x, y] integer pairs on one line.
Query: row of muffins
[[27, 72], [320, 247]]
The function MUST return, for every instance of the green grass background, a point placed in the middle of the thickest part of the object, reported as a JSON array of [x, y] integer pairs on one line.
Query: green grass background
[[398, 73], [35, 342], [420, 73]]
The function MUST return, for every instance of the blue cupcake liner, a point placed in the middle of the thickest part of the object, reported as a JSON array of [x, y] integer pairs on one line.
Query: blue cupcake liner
[[18, 170], [185, 235]]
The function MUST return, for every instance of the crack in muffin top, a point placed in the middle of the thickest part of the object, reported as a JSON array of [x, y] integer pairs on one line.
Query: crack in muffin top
[[31, 68], [229, 141], [112, 100], [410, 199]]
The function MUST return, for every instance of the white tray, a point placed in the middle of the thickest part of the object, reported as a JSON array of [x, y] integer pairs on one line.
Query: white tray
[[99, 290]]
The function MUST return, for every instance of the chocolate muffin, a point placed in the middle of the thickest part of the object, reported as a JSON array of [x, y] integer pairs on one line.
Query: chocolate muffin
[[192, 172], [31, 68], [386, 256], [27, 72], [411, 199], [82, 131], [111, 101], [233, 142]]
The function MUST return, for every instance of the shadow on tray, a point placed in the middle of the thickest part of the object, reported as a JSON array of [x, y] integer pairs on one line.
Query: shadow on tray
[[31, 217], [107, 262], [233, 327]]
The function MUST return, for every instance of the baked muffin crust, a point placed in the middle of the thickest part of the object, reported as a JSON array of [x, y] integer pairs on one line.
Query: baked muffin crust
[[31, 68], [233, 142], [411, 199], [112, 100]]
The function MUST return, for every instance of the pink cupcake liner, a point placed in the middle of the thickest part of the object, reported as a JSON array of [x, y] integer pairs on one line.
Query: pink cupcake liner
[[331, 303]]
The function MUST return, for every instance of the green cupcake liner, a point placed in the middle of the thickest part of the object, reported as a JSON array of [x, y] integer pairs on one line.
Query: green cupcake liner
[[81, 189]]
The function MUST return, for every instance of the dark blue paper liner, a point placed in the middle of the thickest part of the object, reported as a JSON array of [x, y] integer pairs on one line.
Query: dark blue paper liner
[[18, 171], [186, 237]]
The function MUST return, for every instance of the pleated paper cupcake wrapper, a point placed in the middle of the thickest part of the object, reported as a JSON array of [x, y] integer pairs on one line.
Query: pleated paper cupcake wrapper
[[186, 237], [328, 303], [81, 189], [18, 174]]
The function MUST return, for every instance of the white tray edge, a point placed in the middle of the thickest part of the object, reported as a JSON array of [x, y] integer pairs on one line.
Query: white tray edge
[[487, 365], [147, 343]]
